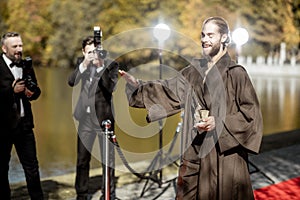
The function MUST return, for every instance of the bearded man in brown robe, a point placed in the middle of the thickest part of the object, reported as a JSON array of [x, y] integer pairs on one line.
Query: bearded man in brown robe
[[214, 164]]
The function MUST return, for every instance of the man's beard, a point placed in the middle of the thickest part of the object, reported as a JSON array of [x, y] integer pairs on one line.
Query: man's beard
[[15, 58], [213, 52]]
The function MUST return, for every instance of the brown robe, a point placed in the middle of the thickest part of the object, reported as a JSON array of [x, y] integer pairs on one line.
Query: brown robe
[[214, 164]]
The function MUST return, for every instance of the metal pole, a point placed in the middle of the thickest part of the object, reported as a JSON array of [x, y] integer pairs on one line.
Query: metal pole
[[160, 63], [160, 126], [107, 125]]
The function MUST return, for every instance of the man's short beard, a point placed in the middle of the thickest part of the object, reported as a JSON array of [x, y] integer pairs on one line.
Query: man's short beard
[[14, 59], [213, 53]]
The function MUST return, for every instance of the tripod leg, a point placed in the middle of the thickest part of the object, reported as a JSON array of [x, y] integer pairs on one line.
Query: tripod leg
[[258, 170]]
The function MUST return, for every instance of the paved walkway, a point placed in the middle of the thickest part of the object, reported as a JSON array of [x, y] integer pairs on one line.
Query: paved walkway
[[278, 161], [267, 168]]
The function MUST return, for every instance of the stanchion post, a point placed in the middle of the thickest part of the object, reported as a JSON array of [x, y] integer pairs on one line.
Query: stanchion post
[[107, 126]]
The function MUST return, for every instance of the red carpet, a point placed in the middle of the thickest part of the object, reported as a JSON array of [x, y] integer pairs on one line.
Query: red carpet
[[286, 190]]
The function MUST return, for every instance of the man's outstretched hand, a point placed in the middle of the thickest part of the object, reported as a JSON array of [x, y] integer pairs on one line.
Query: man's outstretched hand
[[129, 78]]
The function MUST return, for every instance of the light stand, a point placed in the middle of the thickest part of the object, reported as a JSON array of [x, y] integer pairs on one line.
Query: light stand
[[161, 32], [240, 37], [160, 127]]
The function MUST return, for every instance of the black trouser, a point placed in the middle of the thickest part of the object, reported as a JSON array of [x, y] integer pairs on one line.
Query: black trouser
[[24, 143], [87, 133]]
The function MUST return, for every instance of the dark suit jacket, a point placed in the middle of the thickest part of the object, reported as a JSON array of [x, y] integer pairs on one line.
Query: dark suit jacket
[[9, 112], [100, 93]]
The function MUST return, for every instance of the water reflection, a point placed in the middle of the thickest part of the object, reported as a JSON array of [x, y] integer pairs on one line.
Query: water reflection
[[278, 97], [56, 133]]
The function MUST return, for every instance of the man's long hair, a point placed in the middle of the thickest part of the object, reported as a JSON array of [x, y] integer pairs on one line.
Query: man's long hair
[[223, 27]]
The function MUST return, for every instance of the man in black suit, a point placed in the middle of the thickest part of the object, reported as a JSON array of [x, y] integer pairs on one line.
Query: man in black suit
[[98, 78], [16, 119]]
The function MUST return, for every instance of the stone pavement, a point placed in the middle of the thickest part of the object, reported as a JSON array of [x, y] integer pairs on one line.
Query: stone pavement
[[266, 168], [278, 161]]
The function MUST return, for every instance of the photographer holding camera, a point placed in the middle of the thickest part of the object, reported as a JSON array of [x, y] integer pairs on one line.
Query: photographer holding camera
[[98, 76], [18, 86]]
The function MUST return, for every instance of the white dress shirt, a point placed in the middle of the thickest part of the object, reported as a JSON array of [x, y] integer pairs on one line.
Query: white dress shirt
[[82, 69], [18, 74]]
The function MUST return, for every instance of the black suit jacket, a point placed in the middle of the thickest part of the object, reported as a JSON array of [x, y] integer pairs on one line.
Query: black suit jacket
[[100, 92], [9, 101]]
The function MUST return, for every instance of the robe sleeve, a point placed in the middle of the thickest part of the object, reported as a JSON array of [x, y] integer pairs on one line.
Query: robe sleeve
[[109, 78], [243, 122], [161, 98]]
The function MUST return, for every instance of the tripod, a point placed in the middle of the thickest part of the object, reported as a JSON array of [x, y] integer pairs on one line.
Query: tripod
[[256, 169], [156, 176]]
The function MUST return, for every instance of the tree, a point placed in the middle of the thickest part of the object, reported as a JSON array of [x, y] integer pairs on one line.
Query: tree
[[296, 12], [270, 23], [53, 29], [73, 20], [3, 15], [120, 16], [31, 19]]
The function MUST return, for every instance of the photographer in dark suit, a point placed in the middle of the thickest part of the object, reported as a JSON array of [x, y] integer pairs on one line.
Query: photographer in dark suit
[[98, 78], [18, 86]]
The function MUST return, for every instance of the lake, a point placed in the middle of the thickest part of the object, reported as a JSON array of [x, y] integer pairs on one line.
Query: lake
[[55, 128]]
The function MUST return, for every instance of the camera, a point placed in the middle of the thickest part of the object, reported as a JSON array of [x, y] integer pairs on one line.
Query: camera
[[28, 75], [98, 43]]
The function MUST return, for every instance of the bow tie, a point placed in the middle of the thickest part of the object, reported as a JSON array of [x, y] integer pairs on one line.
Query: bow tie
[[14, 64]]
